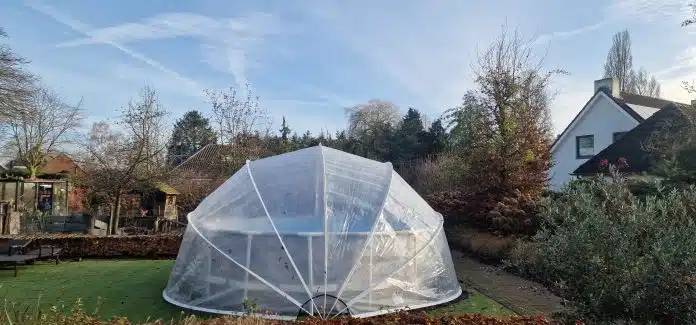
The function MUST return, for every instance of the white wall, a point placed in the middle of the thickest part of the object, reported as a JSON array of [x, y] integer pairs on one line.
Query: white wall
[[601, 119]]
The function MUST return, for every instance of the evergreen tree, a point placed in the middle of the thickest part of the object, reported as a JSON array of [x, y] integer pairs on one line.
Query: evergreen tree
[[191, 133], [285, 145], [408, 142], [436, 138]]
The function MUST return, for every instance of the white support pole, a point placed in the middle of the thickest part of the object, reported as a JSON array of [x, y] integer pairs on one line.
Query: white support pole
[[367, 291], [311, 269], [208, 269], [369, 281], [280, 238], [243, 267], [248, 266], [378, 218]]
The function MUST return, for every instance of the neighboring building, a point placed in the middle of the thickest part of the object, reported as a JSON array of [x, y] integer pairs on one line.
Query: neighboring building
[[636, 145], [604, 119], [50, 192], [205, 164]]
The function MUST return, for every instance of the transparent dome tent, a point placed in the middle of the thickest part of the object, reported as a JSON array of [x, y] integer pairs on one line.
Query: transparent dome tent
[[316, 231]]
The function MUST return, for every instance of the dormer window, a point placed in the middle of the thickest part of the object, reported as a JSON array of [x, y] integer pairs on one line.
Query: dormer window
[[617, 135], [584, 146]]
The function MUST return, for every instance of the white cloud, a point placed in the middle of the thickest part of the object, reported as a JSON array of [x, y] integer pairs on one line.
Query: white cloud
[[86, 30], [225, 43], [545, 38]]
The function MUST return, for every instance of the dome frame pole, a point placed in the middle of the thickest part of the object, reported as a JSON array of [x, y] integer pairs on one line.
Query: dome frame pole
[[264, 281], [280, 238], [420, 251], [368, 242]]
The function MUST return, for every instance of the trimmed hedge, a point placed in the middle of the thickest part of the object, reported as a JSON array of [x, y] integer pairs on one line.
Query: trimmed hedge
[[83, 246]]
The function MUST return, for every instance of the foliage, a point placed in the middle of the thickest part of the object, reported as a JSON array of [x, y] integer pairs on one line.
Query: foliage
[[76, 314], [512, 214], [79, 245], [482, 245], [191, 133], [432, 174], [503, 133], [616, 256]]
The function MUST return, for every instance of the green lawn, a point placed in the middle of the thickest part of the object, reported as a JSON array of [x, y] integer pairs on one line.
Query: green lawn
[[133, 288]]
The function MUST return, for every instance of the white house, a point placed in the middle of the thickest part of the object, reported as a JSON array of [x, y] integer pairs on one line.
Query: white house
[[605, 117]]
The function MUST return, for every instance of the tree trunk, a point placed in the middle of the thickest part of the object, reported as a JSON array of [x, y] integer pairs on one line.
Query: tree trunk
[[112, 211], [32, 171], [117, 212]]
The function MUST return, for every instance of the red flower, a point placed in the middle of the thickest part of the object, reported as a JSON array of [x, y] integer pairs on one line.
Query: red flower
[[603, 163], [622, 162]]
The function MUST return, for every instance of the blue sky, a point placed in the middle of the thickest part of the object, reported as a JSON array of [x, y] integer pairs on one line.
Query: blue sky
[[307, 60]]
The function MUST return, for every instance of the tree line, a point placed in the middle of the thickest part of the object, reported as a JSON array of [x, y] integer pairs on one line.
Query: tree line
[[496, 142]]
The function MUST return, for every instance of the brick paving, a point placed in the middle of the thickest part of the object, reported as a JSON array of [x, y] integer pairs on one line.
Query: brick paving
[[522, 296]]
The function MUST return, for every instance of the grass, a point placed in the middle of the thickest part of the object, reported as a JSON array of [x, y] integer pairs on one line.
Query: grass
[[133, 288]]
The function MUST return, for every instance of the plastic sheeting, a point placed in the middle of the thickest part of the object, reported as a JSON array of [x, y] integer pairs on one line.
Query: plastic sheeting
[[317, 231]]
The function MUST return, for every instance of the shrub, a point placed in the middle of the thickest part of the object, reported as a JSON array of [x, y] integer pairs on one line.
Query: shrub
[[514, 213], [483, 246], [20, 315], [618, 257], [81, 246]]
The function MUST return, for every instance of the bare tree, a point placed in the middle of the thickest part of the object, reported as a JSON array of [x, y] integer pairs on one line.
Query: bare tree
[[691, 20], [237, 116], [619, 63], [145, 121], [110, 162], [16, 83], [643, 84], [369, 118], [41, 128]]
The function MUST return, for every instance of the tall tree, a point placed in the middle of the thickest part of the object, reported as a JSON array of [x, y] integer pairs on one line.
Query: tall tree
[[237, 116], [111, 162], [372, 126], [144, 120], [16, 84], [509, 111], [619, 63], [643, 84], [436, 138], [409, 137], [41, 128], [191, 133]]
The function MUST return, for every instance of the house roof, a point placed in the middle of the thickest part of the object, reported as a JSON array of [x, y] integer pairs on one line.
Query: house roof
[[638, 107], [201, 160], [165, 188], [632, 145]]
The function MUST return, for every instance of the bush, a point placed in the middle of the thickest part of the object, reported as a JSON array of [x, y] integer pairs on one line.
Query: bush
[[81, 246], [514, 213], [616, 256], [76, 315], [483, 246]]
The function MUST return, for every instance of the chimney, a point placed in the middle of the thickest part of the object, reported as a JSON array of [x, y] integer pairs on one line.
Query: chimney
[[609, 86]]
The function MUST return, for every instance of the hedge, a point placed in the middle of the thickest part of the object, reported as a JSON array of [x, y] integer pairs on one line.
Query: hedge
[[81, 318], [82, 246]]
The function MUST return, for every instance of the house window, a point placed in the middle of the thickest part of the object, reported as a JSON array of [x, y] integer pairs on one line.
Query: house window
[[585, 146], [618, 135]]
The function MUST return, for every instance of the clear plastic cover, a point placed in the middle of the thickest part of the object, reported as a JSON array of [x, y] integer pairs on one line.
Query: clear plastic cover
[[315, 231]]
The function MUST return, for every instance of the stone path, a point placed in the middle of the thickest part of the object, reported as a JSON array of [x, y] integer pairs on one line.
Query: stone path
[[520, 295]]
